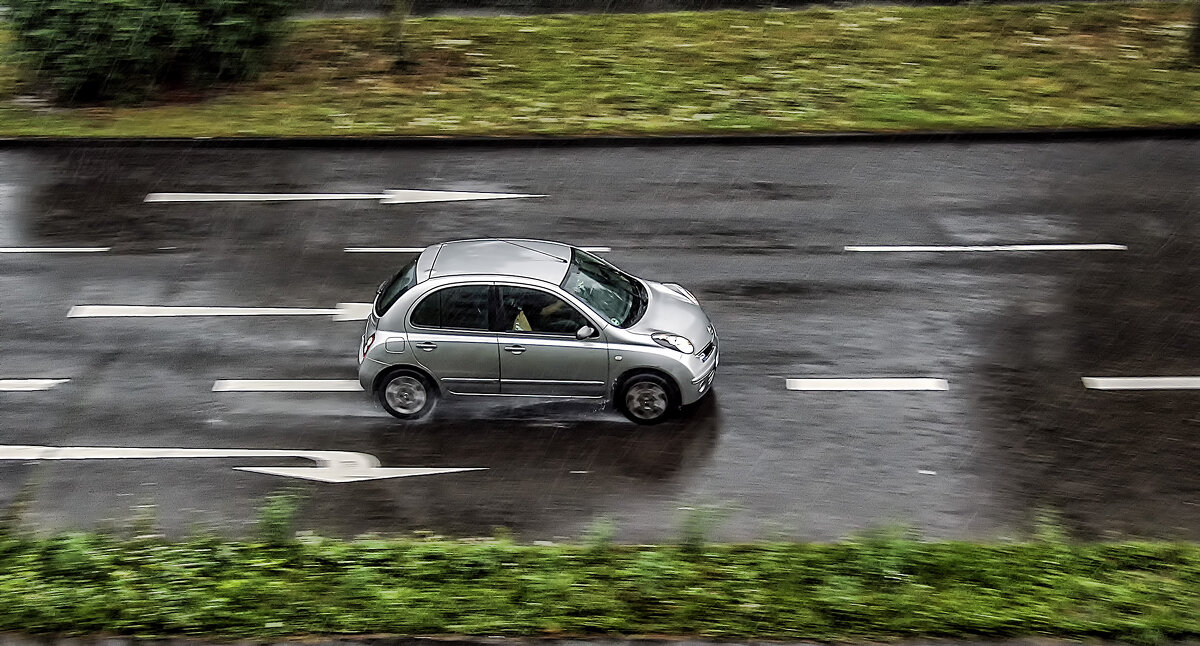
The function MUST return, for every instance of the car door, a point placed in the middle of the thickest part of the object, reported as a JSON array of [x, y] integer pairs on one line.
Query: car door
[[539, 352], [449, 333]]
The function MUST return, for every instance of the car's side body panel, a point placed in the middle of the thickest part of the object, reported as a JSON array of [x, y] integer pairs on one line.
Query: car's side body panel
[[553, 366], [463, 363]]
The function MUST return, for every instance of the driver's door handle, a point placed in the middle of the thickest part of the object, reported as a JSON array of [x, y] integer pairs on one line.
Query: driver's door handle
[[515, 349], [425, 345]]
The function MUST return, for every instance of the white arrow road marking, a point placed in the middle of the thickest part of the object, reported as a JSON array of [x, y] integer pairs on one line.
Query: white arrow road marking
[[340, 476], [868, 384], [395, 196], [54, 249], [420, 249], [333, 466], [343, 312], [29, 385], [1142, 383], [1008, 247], [286, 386]]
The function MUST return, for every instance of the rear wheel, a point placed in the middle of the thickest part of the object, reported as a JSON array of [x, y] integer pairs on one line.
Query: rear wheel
[[647, 398], [407, 394]]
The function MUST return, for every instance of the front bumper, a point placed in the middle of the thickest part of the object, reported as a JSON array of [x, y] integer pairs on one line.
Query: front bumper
[[701, 372], [703, 382]]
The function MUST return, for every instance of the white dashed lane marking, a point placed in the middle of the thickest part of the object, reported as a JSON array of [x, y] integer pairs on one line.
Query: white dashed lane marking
[[54, 249], [1142, 383], [29, 385], [1008, 247], [873, 383], [343, 312], [398, 196], [420, 249], [384, 249], [286, 386]]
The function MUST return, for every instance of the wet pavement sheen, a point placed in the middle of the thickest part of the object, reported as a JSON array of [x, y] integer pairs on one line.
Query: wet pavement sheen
[[756, 232]]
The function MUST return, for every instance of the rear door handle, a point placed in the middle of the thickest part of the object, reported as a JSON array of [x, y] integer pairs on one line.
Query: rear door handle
[[515, 349], [425, 345]]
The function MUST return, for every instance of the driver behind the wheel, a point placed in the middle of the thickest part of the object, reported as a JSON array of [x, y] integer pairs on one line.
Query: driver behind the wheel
[[543, 313]]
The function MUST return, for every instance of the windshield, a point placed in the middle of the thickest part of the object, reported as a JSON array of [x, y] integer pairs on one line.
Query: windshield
[[391, 289], [619, 298]]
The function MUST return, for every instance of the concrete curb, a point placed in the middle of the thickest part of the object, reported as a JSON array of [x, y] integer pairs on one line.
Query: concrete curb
[[917, 137]]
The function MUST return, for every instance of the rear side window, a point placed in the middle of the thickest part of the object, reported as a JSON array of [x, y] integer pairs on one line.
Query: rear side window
[[394, 288], [459, 308]]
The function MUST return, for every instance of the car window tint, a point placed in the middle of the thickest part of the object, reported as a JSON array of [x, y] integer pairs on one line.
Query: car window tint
[[460, 308], [395, 288], [532, 310], [428, 312]]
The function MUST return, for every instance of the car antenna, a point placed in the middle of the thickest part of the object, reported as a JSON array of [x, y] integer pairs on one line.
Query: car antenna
[[535, 250]]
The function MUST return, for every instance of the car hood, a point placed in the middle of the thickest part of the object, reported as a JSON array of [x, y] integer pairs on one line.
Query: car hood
[[670, 311]]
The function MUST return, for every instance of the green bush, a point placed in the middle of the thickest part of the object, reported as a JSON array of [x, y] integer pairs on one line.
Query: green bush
[[875, 588], [97, 50]]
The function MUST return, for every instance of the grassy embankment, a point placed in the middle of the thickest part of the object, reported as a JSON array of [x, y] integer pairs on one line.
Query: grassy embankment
[[877, 68]]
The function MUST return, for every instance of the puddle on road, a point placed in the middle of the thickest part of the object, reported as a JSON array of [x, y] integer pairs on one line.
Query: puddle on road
[[1111, 463]]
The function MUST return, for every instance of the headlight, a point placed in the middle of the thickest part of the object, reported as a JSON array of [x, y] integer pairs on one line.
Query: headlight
[[674, 342]]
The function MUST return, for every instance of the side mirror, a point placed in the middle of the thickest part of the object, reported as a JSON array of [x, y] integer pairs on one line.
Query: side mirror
[[585, 332]]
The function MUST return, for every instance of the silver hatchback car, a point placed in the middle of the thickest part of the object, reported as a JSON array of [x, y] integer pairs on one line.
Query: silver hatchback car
[[529, 318]]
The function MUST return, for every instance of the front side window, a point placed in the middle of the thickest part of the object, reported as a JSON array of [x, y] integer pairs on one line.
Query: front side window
[[395, 287], [533, 311], [459, 308], [620, 299]]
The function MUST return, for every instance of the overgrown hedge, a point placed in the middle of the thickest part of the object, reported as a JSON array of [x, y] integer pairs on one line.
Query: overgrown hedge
[[92, 50], [874, 587]]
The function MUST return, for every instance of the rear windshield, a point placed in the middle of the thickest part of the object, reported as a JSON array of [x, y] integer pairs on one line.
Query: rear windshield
[[393, 288]]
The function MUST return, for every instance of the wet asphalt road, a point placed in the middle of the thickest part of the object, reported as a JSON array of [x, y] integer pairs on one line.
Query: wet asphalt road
[[756, 232]]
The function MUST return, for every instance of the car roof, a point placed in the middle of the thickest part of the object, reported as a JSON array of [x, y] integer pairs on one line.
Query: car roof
[[536, 259]]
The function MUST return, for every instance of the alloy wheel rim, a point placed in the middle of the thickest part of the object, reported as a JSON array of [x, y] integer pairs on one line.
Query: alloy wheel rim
[[646, 400], [406, 394]]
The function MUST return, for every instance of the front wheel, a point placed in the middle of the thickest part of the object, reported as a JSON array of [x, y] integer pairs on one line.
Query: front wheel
[[647, 398], [407, 394]]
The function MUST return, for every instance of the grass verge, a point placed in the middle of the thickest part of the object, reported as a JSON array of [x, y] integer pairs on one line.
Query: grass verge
[[867, 588], [875, 68]]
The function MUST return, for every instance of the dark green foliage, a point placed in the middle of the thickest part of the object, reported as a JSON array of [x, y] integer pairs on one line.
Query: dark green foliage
[[881, 586], [94, 50]]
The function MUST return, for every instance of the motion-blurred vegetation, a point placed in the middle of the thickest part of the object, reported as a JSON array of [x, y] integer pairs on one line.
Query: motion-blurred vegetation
[[878, 586], [867, 68], [1195, 40], [92, 50]]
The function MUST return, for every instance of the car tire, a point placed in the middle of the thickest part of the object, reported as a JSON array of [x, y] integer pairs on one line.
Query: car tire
[[647, 398], [407, 394]]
